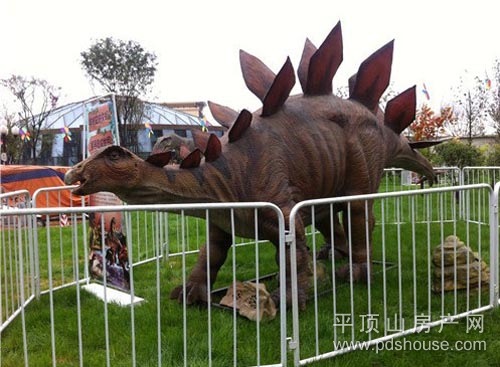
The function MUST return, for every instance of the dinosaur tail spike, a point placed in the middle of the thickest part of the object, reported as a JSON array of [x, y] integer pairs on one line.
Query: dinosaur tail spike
[[192, 160], [214, 148], [302, 71], [239, 127], [324, 63], [400, 111], [258, 77], [424, 144], [280, 89], [373, 77], [222, 114]]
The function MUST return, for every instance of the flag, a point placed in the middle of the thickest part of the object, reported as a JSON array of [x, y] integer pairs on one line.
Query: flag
[[426, 92], [488, 83], [149, 129], [25, 136], [67, 133], [203, 122]]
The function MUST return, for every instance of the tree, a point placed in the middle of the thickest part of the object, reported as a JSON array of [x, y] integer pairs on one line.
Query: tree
[[123, 68], [494, 105], [470, 108], [36, 98], [11, 144], [428, 125]]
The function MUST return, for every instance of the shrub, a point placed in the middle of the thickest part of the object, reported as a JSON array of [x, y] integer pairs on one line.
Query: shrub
[[456, 153], [493, 158]]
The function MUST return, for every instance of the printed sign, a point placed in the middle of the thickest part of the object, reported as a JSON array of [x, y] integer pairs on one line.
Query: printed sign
[[108, 253]]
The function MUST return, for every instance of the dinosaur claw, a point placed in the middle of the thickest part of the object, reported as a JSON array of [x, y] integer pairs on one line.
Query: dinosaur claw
[[359, 273], [195, 293]]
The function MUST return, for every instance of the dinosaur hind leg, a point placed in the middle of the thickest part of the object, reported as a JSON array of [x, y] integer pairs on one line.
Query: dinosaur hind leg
[[197, 287], [337, 242], [360, 242]]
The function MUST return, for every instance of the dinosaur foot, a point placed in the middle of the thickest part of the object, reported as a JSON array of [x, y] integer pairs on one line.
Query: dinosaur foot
[[302, 298], [195, 293], [359, 273], [325, 253]]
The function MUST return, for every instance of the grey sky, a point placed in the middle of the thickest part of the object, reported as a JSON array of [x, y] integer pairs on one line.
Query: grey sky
[[197, 42]]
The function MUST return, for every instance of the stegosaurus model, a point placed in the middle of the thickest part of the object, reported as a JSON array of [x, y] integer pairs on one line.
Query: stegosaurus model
[[295, 148]]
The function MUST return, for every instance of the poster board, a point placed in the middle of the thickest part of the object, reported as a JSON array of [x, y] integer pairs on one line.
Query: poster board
[[108, 255]]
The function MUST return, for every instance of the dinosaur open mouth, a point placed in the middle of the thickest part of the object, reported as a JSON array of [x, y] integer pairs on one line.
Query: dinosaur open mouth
[[80, 189], [71, 178]]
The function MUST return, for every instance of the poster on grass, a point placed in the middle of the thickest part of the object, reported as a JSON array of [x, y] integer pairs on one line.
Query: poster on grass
[[108, 255]]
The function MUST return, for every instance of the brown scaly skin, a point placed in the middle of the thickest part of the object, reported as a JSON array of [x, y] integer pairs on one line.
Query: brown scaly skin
[[297, 148]]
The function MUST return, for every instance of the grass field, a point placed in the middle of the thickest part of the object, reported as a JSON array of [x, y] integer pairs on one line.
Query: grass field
[[166, 333]]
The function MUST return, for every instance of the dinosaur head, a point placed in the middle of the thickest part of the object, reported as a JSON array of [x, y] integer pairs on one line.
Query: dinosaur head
[[113, 168], [407, 157], [399, 114]]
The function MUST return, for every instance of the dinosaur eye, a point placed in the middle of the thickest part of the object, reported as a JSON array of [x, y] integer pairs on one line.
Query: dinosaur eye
[[114, 155]]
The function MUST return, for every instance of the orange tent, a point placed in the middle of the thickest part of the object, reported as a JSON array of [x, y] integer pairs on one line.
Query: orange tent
[[32, 178]]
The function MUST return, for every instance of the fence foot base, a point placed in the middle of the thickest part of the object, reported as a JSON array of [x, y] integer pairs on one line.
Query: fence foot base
[[111, 295]]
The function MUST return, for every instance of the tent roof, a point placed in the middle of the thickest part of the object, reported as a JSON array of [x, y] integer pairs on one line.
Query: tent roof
[[71, 116]]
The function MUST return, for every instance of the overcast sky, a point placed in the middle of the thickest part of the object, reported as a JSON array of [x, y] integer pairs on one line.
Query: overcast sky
[[197, 42]]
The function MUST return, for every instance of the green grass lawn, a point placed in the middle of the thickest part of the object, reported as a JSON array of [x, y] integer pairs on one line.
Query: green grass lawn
[[178, 332]]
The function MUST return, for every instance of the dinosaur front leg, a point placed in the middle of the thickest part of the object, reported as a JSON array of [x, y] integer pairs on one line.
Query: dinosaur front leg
[[304, 274], [196, 287], [361, 216]]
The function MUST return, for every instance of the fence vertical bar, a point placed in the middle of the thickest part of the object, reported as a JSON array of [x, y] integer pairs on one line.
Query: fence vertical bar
[[292, 243], [494, 196], [21, 271]]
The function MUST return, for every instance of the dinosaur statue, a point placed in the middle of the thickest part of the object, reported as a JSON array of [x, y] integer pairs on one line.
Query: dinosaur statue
[[305, 146]]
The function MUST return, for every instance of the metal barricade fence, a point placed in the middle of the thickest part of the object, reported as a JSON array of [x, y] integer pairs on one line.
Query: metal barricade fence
[[478, 209], [406, 295], [17, 280], [412, 286], [69, 324], [147, 228], [396, 179], [56, 229]]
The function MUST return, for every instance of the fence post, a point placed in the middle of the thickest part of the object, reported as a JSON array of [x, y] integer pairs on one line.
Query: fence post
[[291, 243], [494, 245]]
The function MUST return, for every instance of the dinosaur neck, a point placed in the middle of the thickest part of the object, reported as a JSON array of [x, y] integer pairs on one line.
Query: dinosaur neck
[[174, 185]]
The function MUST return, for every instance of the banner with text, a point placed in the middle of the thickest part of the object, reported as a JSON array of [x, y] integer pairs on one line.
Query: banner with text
[[107, 244]]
